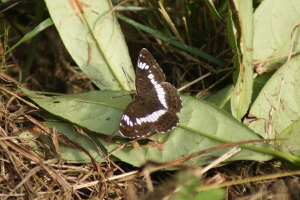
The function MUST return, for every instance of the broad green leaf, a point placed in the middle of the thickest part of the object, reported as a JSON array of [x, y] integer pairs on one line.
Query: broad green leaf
[[243, 19], [97, 111], [259, 82], [92, 35], [274, 21], [202, 126], [69, 154], [221, 98], [277, 108]]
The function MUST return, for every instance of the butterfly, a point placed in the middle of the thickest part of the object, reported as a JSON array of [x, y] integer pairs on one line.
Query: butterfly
[[155, 105]]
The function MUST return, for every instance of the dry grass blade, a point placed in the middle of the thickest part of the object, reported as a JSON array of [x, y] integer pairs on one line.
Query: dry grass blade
[[63, 139], [251, 179], [223, 158], [25, 179], [169, 21], [194, 81], [199, 94], [18, 97], [36, 159]]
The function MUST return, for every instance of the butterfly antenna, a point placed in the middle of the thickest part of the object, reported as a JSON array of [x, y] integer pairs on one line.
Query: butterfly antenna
[[120, 96], [128, 82], [128, 79]]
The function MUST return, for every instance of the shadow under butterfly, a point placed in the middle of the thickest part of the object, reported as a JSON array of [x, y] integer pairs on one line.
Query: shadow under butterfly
[[155, 106]]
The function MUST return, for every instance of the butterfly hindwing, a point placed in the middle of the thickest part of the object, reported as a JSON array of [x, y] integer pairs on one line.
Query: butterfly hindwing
[[167, 122], [138, 117]]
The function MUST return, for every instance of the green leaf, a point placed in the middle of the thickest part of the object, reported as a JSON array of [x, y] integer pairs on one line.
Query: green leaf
[[215, 194], [68, 153], [259, 82], [231, 34], [96, 110], [175, 43], [221, 98], [274, 21], [213, 10], [39, 28], [202, 126], [92, 35], [187, 185], [242, 94], [278, 110]]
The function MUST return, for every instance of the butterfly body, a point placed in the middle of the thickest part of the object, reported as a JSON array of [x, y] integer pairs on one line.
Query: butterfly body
[[155, 105]]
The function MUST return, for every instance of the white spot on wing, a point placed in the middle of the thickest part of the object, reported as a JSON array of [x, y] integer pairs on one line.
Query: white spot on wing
[[121, 133], [161, 95], [151, 76], [142, 65], [153, 117], [153, 82]]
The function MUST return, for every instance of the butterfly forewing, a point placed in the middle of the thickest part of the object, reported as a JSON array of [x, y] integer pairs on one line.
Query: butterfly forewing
[[147, 67]]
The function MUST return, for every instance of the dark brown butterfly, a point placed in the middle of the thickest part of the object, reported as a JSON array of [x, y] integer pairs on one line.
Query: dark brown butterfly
[[155, 105]]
